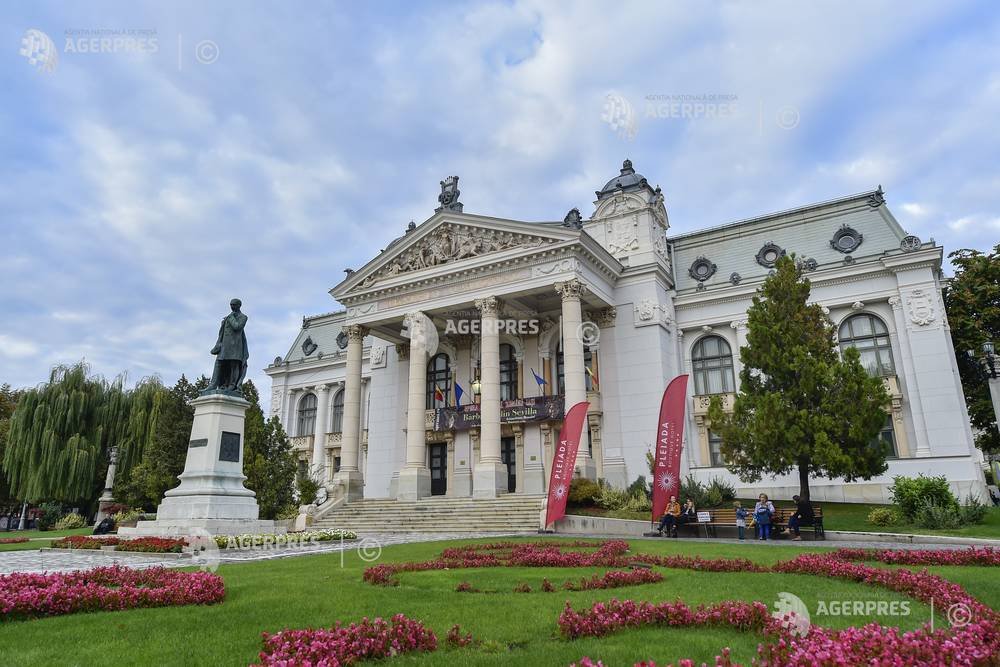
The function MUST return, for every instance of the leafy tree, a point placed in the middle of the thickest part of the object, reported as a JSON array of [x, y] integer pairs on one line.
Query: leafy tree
[[972, 299], [60, 433], [155, 472], [800, 406], [8, 401], [268, 460]]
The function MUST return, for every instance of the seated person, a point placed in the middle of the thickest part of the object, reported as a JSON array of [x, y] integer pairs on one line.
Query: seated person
[[688, 514], [670, 515], [803, 516]]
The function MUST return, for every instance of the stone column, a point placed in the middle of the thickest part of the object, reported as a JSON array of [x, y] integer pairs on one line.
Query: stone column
[[740, 327], [909, 378], [415, 478], [572, 348], [350, 446], [490, 476], [319, 467]]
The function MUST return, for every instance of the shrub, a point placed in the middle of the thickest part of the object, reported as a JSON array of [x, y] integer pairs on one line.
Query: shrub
[[695, 490], [115, 508], [70, 521], [973, 511], [713, 497], [932, 515], [307, 488], [726, 490], [912, 493], [127, 515], [640, 485], [584, 491], [884, 516], [51, 513]]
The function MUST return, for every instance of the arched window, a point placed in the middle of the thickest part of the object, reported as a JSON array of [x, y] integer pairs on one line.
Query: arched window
[[870, 337], [438, 378], [338, 412], [712, 362], [588, 361], [508, 372], [307, 414]]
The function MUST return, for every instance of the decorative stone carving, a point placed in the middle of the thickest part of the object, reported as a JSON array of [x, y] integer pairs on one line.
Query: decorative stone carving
[[646, 309], [739, 325], [277, 396], [848, 259], [567, 264], [570, 289], [735, 278], [377, 356], [649, 311], [896, 302], [622, 236], [846, 239], [876, 198], [702, 269], [402, 351], [808, 264], [769, 254], [355, 333], [910, 243], [573, 219], [450, 243], [449, 196], [857, 305], [308, 346], [342, 340], [922, 307], [488, 306], [606, 317]]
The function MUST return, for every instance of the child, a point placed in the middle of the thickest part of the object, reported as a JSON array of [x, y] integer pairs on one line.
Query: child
[[741, 518]]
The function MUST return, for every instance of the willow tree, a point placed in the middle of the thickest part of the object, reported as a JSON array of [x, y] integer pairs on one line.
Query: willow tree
[[801, 406], [61, 432]]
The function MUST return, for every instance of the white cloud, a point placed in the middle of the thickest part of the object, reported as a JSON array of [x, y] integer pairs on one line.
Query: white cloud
[[11, 346]]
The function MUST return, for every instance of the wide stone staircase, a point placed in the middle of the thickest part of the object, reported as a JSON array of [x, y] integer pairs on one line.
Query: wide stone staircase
[[437, 514]]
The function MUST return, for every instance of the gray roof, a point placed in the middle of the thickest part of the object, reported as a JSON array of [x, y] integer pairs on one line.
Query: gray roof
[[628, 180], [321, 331]]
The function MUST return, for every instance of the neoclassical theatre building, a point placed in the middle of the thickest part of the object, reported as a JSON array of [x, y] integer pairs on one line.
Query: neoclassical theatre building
[[526, 318]]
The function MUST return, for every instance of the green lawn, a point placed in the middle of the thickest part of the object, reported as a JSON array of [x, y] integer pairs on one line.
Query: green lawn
[[843, 516], [519, 628], [39, 538]]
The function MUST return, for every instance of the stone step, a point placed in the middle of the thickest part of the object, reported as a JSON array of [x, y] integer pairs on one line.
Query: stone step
[[514, 513]]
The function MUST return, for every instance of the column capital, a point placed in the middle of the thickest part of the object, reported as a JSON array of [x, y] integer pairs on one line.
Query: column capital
[[896, 302], [606, 317], [739, 325], [571, 289], [488, 306], [355, 333]]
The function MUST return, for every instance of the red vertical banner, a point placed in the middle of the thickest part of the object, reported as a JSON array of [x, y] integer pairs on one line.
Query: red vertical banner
[[669, 439], [564, 461]]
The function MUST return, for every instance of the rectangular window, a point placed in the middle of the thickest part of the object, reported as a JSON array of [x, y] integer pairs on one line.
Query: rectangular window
[[715, 449], [886, 439]]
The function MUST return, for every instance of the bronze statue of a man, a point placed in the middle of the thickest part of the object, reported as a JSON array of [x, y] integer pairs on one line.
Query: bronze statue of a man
[[231, 353]]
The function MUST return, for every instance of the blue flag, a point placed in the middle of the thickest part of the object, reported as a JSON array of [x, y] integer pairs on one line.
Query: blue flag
[[539, 380], [458, 394]]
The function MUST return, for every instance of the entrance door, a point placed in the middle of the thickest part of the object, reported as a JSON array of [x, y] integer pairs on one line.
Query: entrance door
[[507, 456], [439, 469]]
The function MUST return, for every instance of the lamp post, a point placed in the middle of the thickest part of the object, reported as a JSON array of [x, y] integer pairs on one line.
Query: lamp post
[[476, 388]]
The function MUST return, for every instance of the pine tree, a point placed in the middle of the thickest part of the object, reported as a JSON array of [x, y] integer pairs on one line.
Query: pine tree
[[800, 406], [268, 460], [972, 299]]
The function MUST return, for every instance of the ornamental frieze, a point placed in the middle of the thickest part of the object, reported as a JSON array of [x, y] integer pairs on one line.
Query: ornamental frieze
[[451, 243]]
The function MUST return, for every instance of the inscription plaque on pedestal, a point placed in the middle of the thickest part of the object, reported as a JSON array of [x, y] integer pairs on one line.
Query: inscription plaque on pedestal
[[229, 450], [199, 442]]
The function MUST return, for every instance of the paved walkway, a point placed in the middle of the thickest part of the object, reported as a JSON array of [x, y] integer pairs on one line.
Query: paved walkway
[[369, 548]]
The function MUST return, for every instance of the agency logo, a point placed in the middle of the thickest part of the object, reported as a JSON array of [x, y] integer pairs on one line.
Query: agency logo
[[421, 331], [791, 612], [204, 550], [40, 51], [619, 116]]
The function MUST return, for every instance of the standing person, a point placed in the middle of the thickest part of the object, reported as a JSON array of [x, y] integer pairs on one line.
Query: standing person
[[670, 515], [762, 513], [803, 516], [741, 518]]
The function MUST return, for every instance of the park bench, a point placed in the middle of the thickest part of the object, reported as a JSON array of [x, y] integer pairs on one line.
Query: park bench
[[709, 520]]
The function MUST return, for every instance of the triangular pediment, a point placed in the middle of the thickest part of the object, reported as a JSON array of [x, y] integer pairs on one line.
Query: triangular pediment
[[450, 239]]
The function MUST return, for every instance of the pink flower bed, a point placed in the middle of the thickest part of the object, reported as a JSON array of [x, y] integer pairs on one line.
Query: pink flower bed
[[615, 579], [603, 618], [346, 645], [13, 540], [24, 595], [987, 556]]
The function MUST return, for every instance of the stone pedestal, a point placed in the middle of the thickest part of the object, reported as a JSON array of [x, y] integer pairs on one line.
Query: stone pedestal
[[211, 495], [353, 482], [489, 480], [413, 484]]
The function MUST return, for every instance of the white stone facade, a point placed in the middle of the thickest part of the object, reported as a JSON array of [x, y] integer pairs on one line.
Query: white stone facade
[[608, 310]]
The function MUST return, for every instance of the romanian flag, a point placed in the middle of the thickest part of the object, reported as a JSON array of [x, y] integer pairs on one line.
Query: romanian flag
[[593, 377], [438, 394]]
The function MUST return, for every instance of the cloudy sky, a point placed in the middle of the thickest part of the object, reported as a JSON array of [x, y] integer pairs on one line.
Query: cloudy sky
[[258, 149]]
